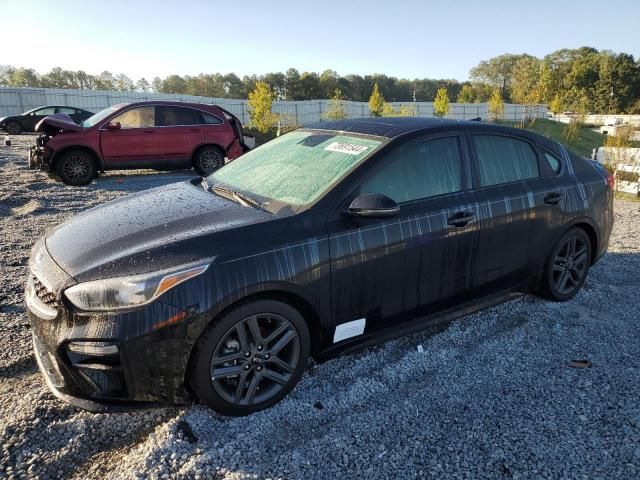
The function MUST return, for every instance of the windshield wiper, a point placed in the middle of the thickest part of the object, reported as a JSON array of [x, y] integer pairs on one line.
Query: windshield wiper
[[241, 198]]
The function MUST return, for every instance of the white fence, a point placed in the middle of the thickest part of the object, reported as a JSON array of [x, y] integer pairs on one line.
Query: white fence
[[628, 166], [17, 100]]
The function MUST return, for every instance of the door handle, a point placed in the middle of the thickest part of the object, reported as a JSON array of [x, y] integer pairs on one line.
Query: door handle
[[148, 131], [552, 198], [460, 219], [195, 129]]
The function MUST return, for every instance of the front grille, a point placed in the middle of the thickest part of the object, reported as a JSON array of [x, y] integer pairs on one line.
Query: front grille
[[45, 295]]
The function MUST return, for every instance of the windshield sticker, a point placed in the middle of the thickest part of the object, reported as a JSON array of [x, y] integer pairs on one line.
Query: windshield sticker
[[349, 148]]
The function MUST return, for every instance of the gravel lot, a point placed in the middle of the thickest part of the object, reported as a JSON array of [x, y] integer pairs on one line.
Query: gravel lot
[[490, 396]]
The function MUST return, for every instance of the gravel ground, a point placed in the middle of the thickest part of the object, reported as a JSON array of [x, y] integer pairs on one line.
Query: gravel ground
[[488, 396]]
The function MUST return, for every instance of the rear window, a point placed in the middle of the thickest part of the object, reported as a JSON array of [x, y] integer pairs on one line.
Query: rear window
[[504, 160]]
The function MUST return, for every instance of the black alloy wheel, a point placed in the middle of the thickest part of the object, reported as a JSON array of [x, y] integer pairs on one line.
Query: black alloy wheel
[[76, 168], [14, 128], [208, 160], [250, 359], [568, 265]]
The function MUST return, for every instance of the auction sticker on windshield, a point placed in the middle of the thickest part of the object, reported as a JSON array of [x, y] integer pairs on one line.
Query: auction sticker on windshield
[[342, 147]]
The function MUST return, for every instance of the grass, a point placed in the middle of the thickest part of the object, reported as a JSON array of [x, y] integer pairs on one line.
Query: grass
[[629, 197], [585, 142]]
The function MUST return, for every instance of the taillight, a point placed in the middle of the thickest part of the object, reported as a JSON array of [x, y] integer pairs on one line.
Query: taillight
[[611, 181]]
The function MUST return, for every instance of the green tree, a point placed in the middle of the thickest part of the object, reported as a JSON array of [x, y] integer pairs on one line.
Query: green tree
[[441, 103], [259, 104], [376, 102], [466, 94], [336, 111], [496, 105], [496, 72], [142, 85]]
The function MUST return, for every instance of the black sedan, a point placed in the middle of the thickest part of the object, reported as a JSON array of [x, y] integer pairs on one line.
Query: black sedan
[[27, 121], [326, 240]]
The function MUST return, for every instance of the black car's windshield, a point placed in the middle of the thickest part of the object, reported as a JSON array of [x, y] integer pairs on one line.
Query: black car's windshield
[[101, 115], [294, 169]]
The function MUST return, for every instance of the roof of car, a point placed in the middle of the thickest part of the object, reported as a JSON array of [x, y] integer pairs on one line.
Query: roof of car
[[390, 127]]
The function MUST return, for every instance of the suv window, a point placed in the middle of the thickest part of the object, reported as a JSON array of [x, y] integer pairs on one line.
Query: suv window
[[141, 117], [174, 116], [210, 119], [504, 159], [426, 169]]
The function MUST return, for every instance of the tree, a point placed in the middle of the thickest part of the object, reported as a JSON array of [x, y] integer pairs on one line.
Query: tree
[[376, 102], [496, 72], [124, 83], [143, 85], [441, 103], [259, 103], [336, 111], [466, 94], [496, 105]]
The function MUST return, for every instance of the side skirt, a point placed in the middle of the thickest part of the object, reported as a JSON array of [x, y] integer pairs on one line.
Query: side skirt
[[421, 323]]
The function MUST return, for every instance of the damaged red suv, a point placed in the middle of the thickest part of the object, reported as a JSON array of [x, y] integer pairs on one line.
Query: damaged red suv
[[159, 135]]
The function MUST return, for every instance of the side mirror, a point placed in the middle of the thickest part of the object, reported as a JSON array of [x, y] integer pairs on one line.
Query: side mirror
[[372, 205], [114, 126]]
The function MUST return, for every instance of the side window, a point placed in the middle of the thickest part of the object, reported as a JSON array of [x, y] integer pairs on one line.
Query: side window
[[45, 111], [141, 117], [504, 159], [174, 116], [210, 119], [422, 170], [553, 162], [67, 110]]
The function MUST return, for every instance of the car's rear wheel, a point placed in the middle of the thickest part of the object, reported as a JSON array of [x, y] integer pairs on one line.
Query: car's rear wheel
[[76, 167], [13, 127], [567, 266], [207, 160], [250, 359]]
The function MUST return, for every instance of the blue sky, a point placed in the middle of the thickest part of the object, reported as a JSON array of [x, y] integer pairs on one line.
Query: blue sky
[[400, 38]]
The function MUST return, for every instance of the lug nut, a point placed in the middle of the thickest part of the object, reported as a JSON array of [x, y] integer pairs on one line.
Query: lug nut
[[266, 356], [259, 347], [247, 354], [246, 367], [259, 368]]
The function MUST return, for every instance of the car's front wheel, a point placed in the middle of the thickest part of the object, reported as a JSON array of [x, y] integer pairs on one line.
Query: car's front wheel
[[13, 127], [76, 167], [251, 358], [207, 160], [567, 266]]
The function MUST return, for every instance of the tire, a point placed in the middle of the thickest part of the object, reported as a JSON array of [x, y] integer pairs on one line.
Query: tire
[[567, 266], [13, 128], [236, 379], [207, 160], [76, 167]]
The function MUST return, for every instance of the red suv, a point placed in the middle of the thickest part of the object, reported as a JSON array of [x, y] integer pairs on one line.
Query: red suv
[[160, 135]]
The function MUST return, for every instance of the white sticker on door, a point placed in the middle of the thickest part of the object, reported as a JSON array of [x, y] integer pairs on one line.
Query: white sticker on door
[[349, 329]]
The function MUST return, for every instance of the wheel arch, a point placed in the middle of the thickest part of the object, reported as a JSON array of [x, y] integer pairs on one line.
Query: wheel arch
[[590, 228], [97, 158], [297, 301]]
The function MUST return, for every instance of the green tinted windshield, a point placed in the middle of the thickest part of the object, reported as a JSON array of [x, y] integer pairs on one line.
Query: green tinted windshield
[[297, 168], [101, 115]]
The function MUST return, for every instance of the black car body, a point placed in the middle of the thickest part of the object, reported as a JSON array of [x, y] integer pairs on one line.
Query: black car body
[[27, 121], [359, 267]]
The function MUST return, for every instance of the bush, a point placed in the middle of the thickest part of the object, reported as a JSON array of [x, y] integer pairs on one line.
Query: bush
[[261, 117], [441, 103]]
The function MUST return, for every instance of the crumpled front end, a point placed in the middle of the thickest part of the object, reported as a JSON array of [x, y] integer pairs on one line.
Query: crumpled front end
[[40, 155]]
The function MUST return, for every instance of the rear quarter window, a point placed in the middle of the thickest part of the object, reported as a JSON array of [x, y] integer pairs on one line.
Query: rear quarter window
[[504, 160]]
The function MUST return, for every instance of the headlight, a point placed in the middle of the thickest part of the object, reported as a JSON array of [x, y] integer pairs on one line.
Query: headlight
[[128, 292]]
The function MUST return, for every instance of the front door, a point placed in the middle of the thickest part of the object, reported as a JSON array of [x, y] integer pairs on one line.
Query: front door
[[384, 272], [136, 143]]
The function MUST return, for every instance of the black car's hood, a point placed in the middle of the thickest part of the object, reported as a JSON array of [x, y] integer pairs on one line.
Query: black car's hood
[[148, 231]]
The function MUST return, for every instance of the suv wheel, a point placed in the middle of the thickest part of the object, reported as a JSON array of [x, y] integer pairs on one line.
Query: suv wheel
[[76, 167], [567, 266], [13, 127], [250, 359], [207, 160]]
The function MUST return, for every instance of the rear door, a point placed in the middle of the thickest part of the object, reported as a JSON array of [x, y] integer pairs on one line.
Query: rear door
[[520, 206], [137, 143], [182, 132], [386, 271]]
